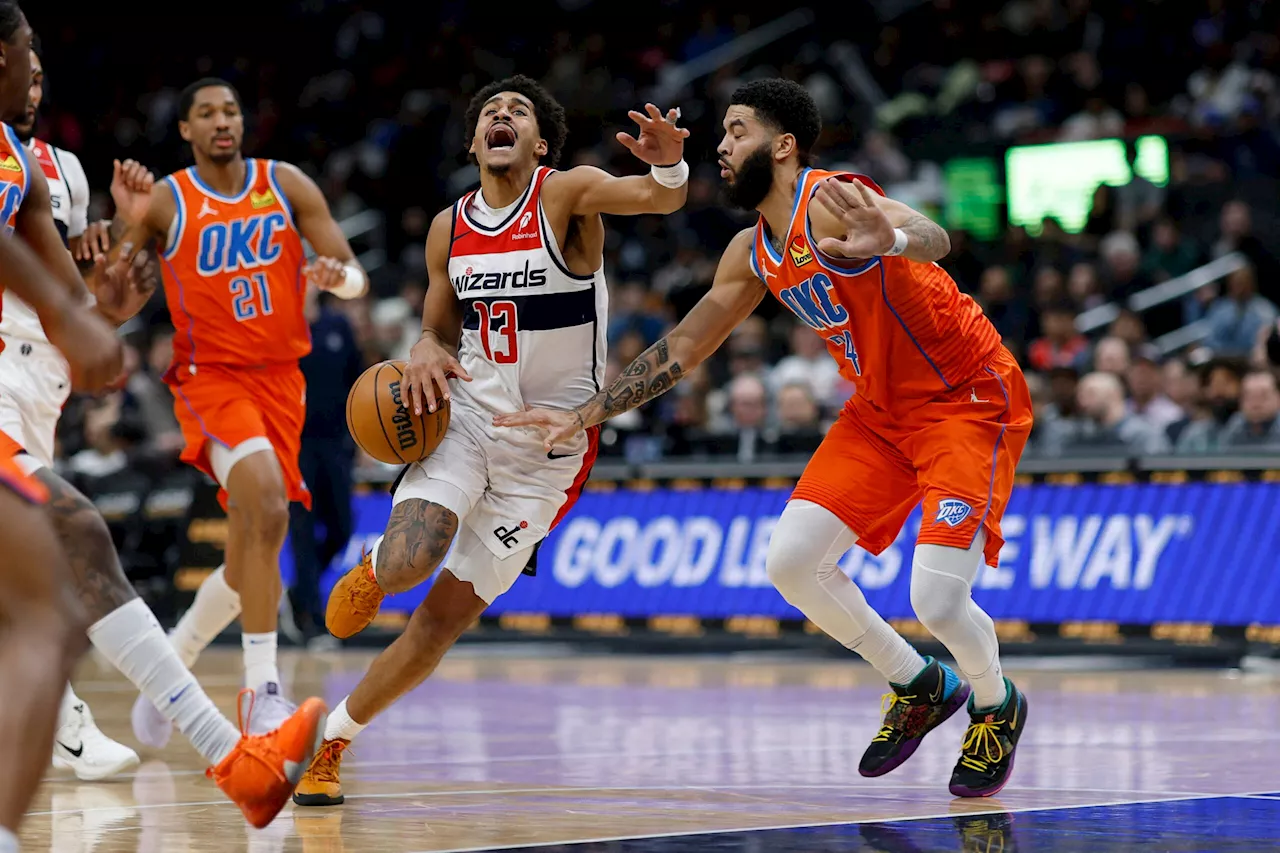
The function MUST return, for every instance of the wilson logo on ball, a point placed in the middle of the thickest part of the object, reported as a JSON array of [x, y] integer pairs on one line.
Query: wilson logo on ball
[[405, 434]]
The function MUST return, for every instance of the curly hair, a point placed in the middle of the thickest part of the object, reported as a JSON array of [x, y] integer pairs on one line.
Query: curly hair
[[547, 112], [187, 99], [786, 106]]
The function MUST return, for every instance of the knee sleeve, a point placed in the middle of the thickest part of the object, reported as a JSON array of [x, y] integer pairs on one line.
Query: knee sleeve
[[805, 548], [941, 582]]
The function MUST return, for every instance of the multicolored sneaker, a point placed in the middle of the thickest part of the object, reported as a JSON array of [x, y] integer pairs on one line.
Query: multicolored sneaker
[[986, 753], [321, 784], [911, 711]]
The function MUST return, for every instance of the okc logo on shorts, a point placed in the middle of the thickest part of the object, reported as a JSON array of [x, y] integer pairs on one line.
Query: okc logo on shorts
[[951, 512]]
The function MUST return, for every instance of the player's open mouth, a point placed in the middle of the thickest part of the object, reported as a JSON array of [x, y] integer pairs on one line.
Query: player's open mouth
[[501, 137], [725, 171], [223, 141]]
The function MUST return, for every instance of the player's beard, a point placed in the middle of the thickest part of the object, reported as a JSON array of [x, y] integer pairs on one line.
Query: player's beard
[[751, 181]]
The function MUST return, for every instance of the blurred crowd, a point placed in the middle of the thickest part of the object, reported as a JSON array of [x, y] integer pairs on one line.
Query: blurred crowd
[[376, 116]]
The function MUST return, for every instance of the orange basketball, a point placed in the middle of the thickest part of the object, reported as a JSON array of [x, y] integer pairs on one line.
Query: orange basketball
[[379, 418]]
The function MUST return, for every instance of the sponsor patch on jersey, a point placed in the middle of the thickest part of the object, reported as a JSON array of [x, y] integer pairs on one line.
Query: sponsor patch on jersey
[[800, 251], [9, 163], [45, 158], [952, 511], [265, 198]]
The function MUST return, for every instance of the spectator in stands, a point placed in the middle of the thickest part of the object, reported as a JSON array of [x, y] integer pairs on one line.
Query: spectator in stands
[[1083, 286], [1220, 382], [1061, 345], [1058, 403], [1147, 400], [1236, 319], [809, 363], [1257, 424], [746, 434], [1006, 311], [1122, 257], [1170, 254], [326, 460], [1103, 217], [152, 400], [629, 311], [1139, 200], [1235, 224], [1128, 327], [1111, 355], [1104, 425], [799, 419], [1181, 385]]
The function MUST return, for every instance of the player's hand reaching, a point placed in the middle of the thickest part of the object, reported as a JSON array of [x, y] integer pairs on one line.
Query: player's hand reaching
[[124, 287], [131, 185], [558, 425], [90, 346], [868, 231], [325, 273], [96, 240], [430, 366], [660, 142]]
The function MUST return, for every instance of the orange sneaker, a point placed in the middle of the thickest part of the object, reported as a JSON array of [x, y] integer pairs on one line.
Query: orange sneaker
[[354, 601], [262, 771], [320, 785]]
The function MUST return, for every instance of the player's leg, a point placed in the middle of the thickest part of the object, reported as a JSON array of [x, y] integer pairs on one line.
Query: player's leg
[[255, 772], [966, 459], [451, 606], [855, 482], [43, 635]]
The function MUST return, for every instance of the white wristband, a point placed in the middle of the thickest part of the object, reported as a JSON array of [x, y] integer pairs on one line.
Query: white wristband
[[671, 177], [900, 240], [352, 283]]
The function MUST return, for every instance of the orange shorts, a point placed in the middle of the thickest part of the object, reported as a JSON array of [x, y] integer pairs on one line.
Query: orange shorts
[[11, 475], [231, 404], [956, 452]]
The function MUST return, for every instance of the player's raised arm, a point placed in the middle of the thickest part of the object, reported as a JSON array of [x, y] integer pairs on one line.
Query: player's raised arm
[[854, 221], [335, 268], [434, 358], [663, 190], [734, 294]]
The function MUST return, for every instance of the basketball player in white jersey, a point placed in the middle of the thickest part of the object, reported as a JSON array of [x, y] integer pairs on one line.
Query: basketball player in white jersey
[[516, 310], [35, 382]]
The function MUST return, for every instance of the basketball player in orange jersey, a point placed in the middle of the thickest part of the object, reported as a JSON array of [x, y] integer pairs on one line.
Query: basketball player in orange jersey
[[940, 415], [235, 279], [516, 309], [257, 773]]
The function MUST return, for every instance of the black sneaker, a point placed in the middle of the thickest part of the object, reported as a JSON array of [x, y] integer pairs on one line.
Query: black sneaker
[[986, 754], [912, 711]]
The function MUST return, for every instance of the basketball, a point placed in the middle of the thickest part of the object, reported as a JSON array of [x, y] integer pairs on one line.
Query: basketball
[[380, 421]]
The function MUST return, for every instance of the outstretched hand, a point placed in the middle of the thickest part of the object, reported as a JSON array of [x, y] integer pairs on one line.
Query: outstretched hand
[[868, 231], [131, 185], [660, 142], [558, 425]]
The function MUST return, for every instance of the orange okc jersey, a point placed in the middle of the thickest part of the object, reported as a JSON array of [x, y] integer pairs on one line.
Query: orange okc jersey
[[233, 272], [897, 328]]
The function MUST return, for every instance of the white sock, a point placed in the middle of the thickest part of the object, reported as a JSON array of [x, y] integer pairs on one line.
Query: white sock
[[131, 638], [373, 556], [988, 687], [68, 707], [8, 841], [260, 659], [887, 651], [340, 725], [215, 607]]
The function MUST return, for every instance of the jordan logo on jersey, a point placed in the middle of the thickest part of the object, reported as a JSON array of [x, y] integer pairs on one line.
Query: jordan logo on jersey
[[241, 244], [207, 209], [952, 511], [800, 251]]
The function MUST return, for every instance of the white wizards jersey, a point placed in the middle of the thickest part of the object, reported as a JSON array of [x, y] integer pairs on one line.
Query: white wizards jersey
[[69, 195], [533, 333]]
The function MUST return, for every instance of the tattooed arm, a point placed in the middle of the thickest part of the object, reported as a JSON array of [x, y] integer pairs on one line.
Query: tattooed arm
[[734, 294]]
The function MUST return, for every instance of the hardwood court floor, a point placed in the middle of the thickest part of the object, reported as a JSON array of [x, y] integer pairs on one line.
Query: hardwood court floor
[[528, 746]]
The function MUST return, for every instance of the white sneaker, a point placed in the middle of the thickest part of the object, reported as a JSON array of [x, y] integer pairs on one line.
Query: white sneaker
[[81, 747], [269, 709], [150, 727]]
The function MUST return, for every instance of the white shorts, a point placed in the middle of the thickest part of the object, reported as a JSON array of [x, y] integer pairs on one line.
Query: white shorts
[[35, 383], [505, 490]]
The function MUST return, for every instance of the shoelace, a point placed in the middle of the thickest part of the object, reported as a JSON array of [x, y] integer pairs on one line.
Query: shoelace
[[361, 595], [325, 765], [888, 702], [978, 741], [258, 747]]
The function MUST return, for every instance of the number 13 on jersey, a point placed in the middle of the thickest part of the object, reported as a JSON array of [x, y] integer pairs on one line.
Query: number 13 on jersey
[[499, 318]]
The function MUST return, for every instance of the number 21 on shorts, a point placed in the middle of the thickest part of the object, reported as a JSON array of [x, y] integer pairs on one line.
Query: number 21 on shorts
[[498, 318]]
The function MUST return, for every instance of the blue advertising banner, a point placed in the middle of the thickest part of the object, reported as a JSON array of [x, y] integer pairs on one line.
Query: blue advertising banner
[[1139, 554]]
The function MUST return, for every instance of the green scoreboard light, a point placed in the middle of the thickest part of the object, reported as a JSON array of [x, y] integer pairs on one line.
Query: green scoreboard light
[[974, 196], [1059, 179]]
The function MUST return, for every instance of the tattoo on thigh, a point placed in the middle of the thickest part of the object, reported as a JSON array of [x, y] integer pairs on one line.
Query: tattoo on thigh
[[417, 537], [100, 581]]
